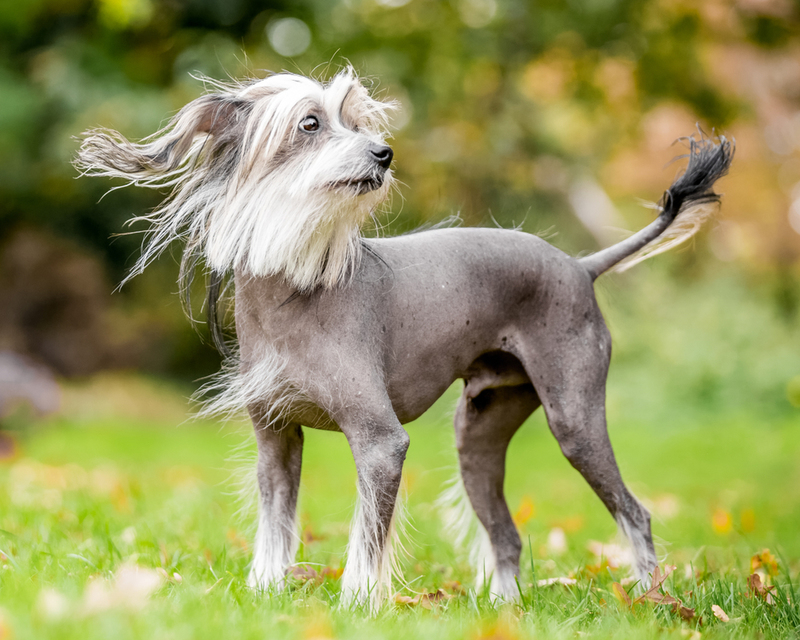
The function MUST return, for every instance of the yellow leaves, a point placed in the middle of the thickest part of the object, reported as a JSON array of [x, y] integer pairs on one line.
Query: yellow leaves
[[620, 594], [526, 511], [766, 561], [721, 522], [719, 613]]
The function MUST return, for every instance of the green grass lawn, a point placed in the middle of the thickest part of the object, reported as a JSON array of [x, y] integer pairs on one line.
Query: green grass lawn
[[119, 483]]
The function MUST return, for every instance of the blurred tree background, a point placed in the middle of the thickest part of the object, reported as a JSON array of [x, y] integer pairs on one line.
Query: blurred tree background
[[551, 115]]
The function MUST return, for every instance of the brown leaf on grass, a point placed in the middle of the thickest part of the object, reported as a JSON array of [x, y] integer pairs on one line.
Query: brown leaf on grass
[[757, 588], [654, 595], [684, 612], [719, 613], [426, 600]]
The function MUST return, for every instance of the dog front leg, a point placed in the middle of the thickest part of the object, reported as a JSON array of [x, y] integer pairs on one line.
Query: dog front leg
[[279, 459], [379, 449]]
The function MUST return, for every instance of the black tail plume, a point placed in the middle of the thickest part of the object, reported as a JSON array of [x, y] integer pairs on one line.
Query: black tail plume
[[684, 207]]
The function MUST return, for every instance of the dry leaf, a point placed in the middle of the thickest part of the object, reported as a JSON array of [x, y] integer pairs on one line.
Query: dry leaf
[[619, 592], [757, 588], [719, 613], [684, 612]]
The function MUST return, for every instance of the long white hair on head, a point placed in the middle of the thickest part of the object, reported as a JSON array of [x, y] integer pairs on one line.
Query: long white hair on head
[[248, 188]]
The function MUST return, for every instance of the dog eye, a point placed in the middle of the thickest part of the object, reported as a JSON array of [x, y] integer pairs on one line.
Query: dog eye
[[309, 123]]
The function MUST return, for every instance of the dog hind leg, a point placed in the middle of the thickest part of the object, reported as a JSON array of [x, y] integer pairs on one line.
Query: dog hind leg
[[484, 427], [569, 372], [279, 460]]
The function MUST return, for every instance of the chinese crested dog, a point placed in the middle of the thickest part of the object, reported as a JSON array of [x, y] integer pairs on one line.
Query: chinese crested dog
[[270, 181]]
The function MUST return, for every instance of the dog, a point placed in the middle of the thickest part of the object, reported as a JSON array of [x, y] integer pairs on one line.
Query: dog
[[270, 182]]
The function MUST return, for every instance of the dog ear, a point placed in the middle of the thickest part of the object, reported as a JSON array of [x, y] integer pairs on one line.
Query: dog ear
[[360, 107], [108, 153]]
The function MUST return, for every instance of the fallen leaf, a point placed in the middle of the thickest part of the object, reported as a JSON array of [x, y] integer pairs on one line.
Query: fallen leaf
[[619, 592], [684, 612], [719, 613], [757, 588]]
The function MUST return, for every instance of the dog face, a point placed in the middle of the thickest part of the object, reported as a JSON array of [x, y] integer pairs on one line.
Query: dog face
[[312, 166], [321, 138], [270, 177]]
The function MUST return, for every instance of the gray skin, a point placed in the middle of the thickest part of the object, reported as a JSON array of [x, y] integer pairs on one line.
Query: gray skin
[[511, 315]]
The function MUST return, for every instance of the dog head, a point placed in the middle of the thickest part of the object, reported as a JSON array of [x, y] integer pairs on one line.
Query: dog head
[[271, 176]]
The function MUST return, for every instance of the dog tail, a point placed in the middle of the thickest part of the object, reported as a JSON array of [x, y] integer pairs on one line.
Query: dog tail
[[684, 207]]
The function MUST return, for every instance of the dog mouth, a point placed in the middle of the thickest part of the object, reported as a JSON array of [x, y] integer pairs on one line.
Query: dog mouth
[[359, 186]]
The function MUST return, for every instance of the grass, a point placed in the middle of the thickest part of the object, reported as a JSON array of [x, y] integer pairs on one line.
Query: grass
[[95, 491]]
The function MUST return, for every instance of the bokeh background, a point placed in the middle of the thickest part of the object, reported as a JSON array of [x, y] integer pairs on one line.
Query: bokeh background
[[551, 115], [554, 116]]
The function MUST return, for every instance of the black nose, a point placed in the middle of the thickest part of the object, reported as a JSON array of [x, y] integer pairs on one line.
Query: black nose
[[382, 155]]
